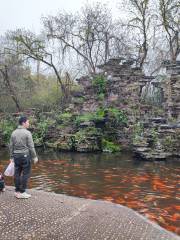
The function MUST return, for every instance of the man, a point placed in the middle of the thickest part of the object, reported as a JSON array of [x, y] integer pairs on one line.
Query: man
[[22, 151]]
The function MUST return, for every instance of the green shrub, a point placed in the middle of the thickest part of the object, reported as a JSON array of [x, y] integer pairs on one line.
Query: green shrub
[[45, 96], [138, 131], [100, 112], [79, 136], [88, 138], [41, 130], [84, 118], [101, 96], [115, 115], [7, 127], [64, 118], [92, 131], [154, 135], [100, 83], [118, 115], [169, 142], [108, 146], [89, 131]]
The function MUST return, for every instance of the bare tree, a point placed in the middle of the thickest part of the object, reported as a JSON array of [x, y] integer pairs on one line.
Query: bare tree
[[139, 23], [170, 20], [9, 65], [122, 44], [29, 46], [87, 34]]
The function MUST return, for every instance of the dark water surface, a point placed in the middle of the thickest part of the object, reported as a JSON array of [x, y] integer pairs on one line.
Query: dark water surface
[[151, 188]]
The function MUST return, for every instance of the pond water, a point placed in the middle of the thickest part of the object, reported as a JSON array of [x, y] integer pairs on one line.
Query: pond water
[[151, 188]]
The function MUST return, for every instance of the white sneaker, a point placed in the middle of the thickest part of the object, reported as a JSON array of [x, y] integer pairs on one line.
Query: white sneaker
[[23, 195]]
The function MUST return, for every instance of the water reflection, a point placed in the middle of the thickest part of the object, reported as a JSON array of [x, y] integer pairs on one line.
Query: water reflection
[[150, 188]]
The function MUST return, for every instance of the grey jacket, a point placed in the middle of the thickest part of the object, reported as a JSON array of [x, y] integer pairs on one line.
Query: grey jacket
[[21, 142]]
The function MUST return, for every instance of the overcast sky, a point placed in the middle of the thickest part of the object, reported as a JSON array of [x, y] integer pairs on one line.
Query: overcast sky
[[27, 13]]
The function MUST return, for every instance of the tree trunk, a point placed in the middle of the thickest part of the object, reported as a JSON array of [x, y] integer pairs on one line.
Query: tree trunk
[[10, 88]]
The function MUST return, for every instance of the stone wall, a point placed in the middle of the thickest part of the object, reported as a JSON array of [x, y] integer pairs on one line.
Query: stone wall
[[161, 138], [122, 89], [171, 90]]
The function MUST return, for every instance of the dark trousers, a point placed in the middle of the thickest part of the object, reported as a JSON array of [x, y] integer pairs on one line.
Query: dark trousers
[[22, 171]]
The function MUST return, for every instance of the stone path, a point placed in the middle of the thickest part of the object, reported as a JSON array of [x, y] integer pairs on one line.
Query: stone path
[[50, 216]]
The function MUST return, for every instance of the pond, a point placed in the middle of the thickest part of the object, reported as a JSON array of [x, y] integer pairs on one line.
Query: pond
[[151, 188]]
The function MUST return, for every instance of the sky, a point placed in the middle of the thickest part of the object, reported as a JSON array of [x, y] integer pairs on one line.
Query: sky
[[27, 13]]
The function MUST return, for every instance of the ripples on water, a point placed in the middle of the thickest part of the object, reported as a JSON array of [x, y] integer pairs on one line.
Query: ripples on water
[[151, 188]]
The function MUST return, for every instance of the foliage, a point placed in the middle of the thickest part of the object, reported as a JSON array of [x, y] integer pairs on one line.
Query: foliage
[[98, 115], [138, 131], [86, 117], [168, 142], [33, 92], [101, 96], [108, 146], [78, 100], [115, 115], [82, 134], [100, 83], [154, 135], [79, 136], [7, 126], [41, 130], [119, 115], [93, 131], [64, 118], [45, 98]]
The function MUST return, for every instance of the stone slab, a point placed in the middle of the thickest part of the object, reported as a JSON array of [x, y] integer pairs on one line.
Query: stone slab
[[50, 216]]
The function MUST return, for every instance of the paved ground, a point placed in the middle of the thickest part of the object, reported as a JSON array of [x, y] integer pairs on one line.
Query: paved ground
[[56, 216]]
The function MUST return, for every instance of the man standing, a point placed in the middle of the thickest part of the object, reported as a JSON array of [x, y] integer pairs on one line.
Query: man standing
[[22, 151]]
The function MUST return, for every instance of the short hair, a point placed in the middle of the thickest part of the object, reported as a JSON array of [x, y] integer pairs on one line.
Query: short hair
[[22, 120]]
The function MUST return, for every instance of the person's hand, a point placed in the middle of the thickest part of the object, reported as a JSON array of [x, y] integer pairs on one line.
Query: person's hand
[[11, 160], [35, 160]]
